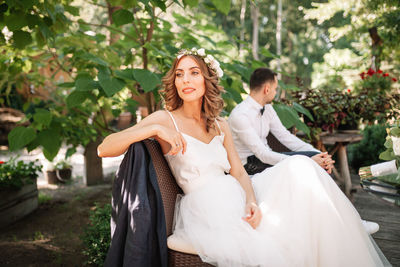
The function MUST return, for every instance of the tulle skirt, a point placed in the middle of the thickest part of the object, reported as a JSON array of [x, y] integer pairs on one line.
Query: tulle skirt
[[307, 221]]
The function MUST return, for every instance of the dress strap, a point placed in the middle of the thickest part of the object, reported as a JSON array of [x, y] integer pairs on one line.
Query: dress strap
[[219, 128], [173, 120]]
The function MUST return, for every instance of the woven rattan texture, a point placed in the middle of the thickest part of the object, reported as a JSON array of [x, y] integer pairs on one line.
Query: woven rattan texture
[[166, 181]]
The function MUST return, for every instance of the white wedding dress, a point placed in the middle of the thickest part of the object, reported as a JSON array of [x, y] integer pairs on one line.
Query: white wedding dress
[[307, 221]]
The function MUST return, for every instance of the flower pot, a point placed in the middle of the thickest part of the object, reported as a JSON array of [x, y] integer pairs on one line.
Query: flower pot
[[58, 176], [16, 204]]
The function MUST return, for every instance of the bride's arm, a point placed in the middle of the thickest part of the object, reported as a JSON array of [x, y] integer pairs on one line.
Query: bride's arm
[[155, 125], [238, 171]]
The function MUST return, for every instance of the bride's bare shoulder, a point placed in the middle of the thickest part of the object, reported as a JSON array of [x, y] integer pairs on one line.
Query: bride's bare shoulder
[[159, 116]]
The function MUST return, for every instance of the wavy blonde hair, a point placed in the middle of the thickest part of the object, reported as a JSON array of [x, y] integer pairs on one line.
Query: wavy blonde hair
[[212, 100]]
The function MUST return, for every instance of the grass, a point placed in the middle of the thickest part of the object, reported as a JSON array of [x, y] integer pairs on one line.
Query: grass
[[43, 198]]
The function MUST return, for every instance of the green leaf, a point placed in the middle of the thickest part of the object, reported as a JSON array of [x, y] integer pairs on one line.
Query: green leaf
[[15, 21], [395, 131], [147, 79], [110, 85], [76, 98], [21, 39], [94, 59], [42, 116], [288, 87], [70, 152], [20, 137], [121, 17], [301, 126], [72, 10], [301, 109], [266, 53], [85, 82], [386, 155], [33, 20], [160, 4], [191, 3], [51, 142], [131, 105], [126, 74], [222, 5], [242, 70], [388, 143], [66, 85], [286, 114]]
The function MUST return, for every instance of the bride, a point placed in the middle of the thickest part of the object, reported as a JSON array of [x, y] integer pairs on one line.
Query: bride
[[292, 214]]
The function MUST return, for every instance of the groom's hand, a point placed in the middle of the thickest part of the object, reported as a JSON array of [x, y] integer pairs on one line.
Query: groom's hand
[[325, 161]]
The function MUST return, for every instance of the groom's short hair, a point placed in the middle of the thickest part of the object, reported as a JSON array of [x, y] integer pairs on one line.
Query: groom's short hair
[[259, 77]]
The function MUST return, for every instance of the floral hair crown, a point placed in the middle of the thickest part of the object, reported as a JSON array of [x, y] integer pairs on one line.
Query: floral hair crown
[[210, 61]]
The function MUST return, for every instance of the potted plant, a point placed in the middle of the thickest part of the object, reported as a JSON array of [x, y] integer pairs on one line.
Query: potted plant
[[18, 190], [60, 172]]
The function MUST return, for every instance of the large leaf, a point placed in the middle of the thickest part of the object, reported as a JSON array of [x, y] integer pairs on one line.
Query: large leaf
[[286, 114], [76, 98], [51, 142], [15, 21], [21, 39], [301, 109], [93, 59], [266, 53], [191, 3], [42, 116], [110, 85], [20, 137], [85, 82], [222, 5], [147, 79], [121, 17]]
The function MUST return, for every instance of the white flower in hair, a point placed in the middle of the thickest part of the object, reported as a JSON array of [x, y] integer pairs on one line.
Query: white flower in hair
[[210, 61], [201, 52]]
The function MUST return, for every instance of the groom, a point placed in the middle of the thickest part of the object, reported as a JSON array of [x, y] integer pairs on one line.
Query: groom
[[253, 119]]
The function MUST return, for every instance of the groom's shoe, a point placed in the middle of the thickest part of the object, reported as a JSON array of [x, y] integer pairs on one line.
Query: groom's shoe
[[370, 227]]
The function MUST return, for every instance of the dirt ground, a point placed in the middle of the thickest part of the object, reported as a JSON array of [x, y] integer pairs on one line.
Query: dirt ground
[[50, 236]]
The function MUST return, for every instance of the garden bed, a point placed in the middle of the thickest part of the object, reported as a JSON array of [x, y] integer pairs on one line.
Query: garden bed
[[16, 204]]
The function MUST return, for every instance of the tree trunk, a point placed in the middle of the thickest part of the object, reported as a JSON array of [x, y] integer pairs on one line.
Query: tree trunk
[[376, 48], [113, 37], [281, 93], [93, 163], [242, 27], [255, 13]]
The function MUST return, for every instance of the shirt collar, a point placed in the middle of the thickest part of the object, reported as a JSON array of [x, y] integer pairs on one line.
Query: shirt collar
[[253, 103]]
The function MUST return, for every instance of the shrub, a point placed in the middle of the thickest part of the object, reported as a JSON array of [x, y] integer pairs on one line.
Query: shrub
[[367, 151], [97, 235], [14, 175]]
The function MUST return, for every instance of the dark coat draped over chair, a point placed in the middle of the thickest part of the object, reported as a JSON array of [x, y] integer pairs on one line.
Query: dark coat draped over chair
[[138, 228]]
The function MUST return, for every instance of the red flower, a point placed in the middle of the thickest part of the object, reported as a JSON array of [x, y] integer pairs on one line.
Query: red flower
[[385, 74], [380, 71], [348, 90], [2, 162], [370, 72], [362, 74], [394, 79]]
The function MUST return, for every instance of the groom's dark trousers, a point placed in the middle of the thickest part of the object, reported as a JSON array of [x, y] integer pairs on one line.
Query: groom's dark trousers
[[254, 165]]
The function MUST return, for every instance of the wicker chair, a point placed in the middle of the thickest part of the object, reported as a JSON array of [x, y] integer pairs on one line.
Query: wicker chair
[[169, 190]]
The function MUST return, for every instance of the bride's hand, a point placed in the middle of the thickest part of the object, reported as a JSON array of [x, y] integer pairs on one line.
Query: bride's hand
[[174, 138], [253, 214]]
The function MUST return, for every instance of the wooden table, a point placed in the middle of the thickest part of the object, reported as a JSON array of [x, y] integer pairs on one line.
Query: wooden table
[[340, 141]]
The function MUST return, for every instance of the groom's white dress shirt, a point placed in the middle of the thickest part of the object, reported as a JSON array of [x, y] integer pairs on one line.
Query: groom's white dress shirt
[[250, 130]]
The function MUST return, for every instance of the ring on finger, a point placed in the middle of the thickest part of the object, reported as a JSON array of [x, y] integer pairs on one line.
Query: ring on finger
[[177, 144]]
